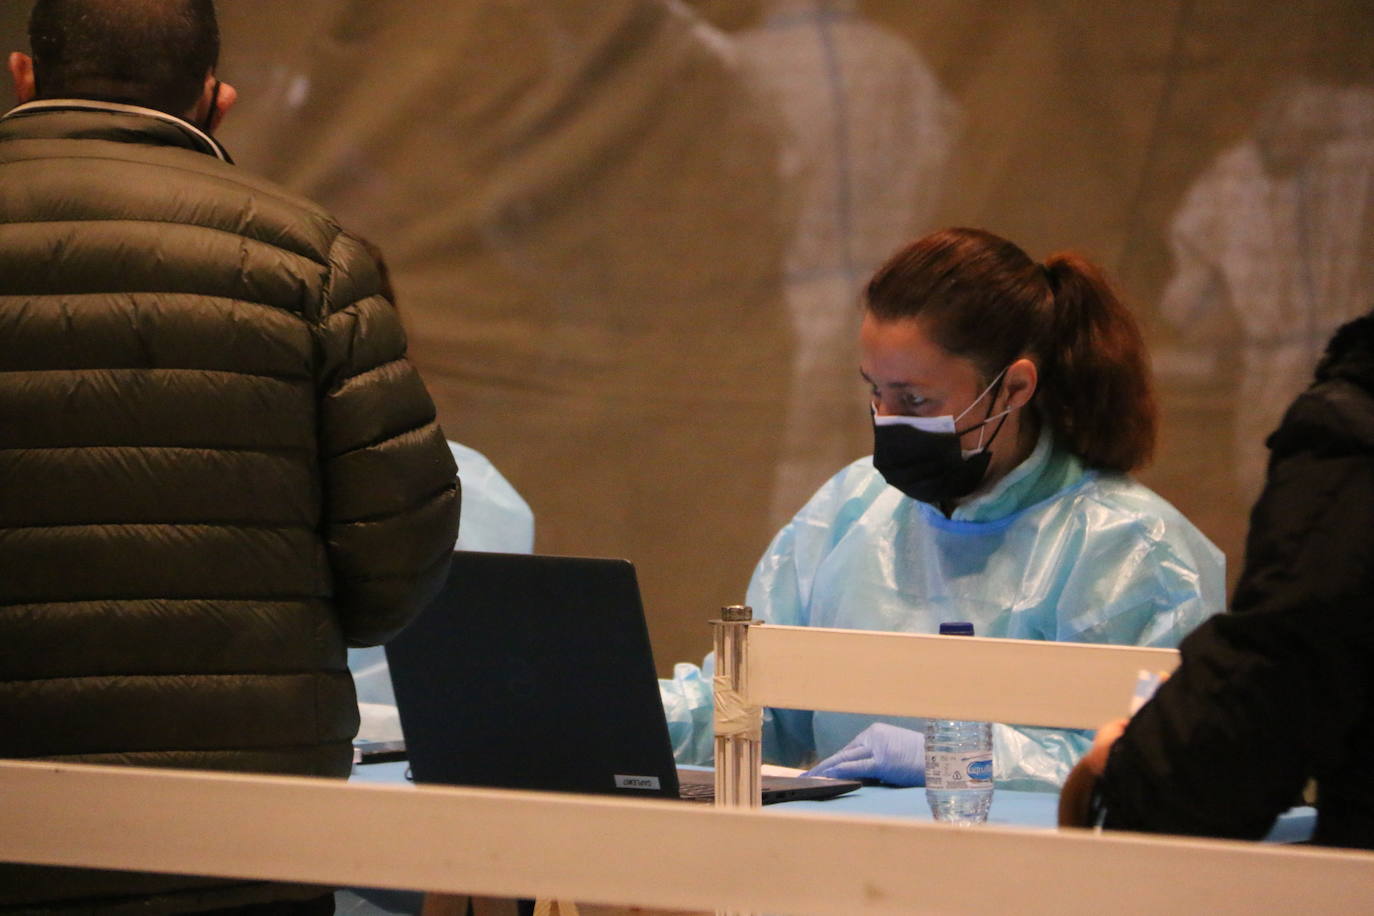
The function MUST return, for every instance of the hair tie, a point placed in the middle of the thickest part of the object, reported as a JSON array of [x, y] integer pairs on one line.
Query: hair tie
[[1049, 277]]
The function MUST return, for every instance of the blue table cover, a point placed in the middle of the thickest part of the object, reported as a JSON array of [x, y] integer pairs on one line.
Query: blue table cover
[[1009, 809]]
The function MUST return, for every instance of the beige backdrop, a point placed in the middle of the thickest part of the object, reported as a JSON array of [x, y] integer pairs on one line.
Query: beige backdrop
[[628, 235]]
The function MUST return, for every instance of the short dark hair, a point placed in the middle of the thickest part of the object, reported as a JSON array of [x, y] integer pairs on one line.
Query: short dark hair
[[154, 53], [983, 298]]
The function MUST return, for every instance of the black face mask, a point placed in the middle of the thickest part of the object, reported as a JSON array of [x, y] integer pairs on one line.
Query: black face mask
[[927, 466], [930, 466]]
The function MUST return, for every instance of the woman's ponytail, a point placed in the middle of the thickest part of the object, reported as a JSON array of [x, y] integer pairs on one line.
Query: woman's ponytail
[[1095, 389]]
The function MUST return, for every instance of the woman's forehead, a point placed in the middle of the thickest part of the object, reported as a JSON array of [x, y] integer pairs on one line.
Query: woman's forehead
[[901, 354]]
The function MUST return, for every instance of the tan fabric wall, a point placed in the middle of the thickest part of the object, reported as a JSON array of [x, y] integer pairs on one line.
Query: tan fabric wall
[[628, 235]]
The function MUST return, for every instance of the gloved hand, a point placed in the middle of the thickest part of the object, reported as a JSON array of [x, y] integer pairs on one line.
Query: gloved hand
[[896, 756]]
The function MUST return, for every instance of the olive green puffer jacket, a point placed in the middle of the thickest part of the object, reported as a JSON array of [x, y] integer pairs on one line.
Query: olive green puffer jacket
[[217, 467]]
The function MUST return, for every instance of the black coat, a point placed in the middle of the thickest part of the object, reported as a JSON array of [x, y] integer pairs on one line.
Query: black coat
[[217, 467], [1281, 689]]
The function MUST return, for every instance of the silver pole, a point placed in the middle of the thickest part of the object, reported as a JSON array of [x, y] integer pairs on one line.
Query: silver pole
[[737, 724]]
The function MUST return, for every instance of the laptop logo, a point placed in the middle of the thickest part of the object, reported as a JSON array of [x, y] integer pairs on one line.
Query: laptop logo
[[636, 782]]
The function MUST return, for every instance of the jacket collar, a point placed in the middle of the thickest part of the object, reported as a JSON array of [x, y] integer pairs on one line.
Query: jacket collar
[[1350, 354], [159, 126], [1334, 414]]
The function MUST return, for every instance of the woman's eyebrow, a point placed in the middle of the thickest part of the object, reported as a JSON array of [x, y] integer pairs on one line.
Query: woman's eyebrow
[[870, 381]]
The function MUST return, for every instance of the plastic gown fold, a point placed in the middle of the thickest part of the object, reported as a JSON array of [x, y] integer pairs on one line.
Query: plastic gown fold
[[1052, 552]]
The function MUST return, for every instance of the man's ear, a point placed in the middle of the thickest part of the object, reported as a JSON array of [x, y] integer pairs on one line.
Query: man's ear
[[228, 95], [21, 70], [216, 98]]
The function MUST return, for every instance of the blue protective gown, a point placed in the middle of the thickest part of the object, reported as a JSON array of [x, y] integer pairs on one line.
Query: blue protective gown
[[1052, 551]]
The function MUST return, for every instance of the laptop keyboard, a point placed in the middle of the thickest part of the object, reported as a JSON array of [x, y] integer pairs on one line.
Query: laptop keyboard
[[697, 791]]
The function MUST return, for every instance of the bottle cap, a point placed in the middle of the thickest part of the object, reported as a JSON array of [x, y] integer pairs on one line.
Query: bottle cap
[[956, 628]]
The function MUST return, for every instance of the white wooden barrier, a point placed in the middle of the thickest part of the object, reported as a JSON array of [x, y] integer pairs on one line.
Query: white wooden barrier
[[1026, 682], [646, 853], [1016, 681]]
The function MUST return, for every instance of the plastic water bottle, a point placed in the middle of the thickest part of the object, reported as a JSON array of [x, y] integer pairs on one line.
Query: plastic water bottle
[[958, 762]]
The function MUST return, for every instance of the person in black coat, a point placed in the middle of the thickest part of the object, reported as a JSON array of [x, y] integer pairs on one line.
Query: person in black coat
[[218, 468], [1280, 690]]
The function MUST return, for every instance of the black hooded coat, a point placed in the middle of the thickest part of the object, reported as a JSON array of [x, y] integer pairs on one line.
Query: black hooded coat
[[1280, 689]]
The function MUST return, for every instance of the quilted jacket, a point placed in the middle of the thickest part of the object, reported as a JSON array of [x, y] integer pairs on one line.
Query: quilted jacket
[[217, 467]]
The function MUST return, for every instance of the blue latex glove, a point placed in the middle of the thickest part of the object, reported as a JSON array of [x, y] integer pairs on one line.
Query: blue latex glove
[[896, 756]]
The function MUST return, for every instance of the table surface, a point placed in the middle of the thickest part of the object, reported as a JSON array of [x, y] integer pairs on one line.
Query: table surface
[[1009, 809]]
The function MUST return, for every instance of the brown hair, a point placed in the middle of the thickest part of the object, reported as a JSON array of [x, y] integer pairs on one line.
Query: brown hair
[[983, 298]]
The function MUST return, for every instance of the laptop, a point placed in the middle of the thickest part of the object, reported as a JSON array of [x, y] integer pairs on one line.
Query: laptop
[[535, 672]]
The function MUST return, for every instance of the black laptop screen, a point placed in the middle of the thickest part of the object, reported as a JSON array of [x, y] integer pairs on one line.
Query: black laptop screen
[[534, 672]]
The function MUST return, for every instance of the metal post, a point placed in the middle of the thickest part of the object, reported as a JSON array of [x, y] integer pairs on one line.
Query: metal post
[[737, 723]]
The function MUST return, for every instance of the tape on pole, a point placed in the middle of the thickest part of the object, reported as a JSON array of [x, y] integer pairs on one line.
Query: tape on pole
[[734, 717]]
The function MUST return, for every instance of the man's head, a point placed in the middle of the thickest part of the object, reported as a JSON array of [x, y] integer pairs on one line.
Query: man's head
[[156, 53]]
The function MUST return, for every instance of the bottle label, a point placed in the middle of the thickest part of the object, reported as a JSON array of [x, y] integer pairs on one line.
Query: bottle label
[[967, 770]]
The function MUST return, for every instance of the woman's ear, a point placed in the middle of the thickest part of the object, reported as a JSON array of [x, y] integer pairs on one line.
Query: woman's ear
[[1020, 383]]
